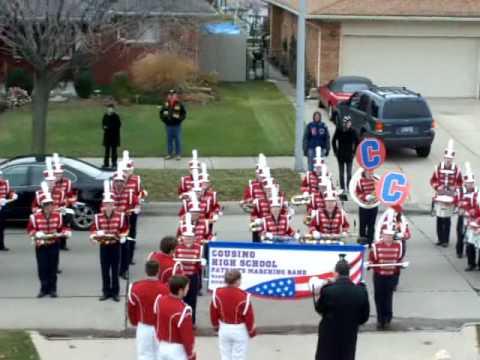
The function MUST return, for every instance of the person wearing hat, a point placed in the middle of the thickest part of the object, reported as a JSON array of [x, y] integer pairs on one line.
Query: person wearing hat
[[472, 216], [111, 125], [315, 135], [189, 254], [173, 113], [446, 180], [344, 144], [57, 194], [330, 221], [186, 182], [232, 317], [311, 178], [466, 198], [365, 191], [7, 195], [46, 228], [276, 223], [126, 201], [109, 230], [385, 251], [141, 301], [344, 306]]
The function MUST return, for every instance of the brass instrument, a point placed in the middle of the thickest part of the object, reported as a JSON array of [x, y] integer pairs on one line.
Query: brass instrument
[[307, 220], [303, 199], [323, 240], [256, 225], [353, 194], [246, 206]]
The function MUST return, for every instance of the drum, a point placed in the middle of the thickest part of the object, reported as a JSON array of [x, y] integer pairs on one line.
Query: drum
[[443, 206]]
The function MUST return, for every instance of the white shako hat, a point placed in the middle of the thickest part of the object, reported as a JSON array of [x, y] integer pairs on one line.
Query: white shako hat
[[46, 196], [126, 160], [194, 163], [449, 150], [187, 228], [275, 199], [329, 193], [194, 205], [265, 172], [468, 177], [261, 163], [107, 194], [119, 175], [324, 180], [57, 165], [442, 355], [318, 160], [48, 173], [389, 228], [196, 180], [204, 177]]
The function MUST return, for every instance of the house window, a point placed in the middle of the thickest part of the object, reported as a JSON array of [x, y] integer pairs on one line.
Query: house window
[[144, 32]]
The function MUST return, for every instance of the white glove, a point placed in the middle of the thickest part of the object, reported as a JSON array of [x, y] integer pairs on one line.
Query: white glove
[[296, 236], [369, 197], [123, 240], [39, 234], [100, 233], [316, 235], [269, 235], [136, 210], [67, 233], [344, 234], [215, 217], [203, 262], [3, 202], [258, 221], [306, 193], [14, 197]]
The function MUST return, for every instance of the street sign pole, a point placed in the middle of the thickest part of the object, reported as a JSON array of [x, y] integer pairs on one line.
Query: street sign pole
[[300, 101]]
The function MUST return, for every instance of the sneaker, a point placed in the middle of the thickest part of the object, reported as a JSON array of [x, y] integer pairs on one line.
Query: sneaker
[[168, 157]]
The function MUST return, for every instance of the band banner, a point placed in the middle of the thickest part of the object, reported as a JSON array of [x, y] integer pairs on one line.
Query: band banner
[[280, 271]]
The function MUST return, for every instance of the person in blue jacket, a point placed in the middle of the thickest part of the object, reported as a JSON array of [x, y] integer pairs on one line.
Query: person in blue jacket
[[315, 134]]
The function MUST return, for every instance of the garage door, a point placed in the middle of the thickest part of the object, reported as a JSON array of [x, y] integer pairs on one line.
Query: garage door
[[435, 67]]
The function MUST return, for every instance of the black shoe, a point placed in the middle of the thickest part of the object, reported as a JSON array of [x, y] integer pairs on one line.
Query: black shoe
[[387, 326], [445, 245], [380, 326], [395, 288], [105, 167], [459, 256], [65, 248], [41, 294], [53, 294], [124, 276], [104, 297], [439, 244], [132, 263], [4, 249], [59, 271], [115, 298], [470, 268]]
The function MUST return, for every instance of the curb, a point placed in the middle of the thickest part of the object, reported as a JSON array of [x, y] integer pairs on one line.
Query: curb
[[171, 208]]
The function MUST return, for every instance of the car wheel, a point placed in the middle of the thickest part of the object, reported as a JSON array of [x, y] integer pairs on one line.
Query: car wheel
[[423, 152], [84, 217]]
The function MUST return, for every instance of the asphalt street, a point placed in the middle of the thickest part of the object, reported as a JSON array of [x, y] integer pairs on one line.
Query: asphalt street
[[434, 292]]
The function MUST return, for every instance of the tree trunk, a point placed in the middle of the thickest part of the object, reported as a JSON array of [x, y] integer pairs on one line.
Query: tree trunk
[[40, 96]]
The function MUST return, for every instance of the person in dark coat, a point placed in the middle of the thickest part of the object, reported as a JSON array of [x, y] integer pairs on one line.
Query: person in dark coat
[[315, 134], [344, 306], [172, 113], [111, 135], [344, 145]]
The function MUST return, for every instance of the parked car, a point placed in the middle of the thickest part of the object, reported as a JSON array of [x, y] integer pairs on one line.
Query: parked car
[[340, 90], [401, 117], [25, 173]]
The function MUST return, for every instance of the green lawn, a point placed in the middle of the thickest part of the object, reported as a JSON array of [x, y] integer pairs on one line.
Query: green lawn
[[162, 184], [16, 345], [249, 118]]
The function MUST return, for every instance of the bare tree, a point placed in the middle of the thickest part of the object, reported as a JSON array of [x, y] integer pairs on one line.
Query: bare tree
[[53, 36]]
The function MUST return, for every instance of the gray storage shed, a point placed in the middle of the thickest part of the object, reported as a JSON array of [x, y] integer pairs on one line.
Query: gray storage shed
[[223, 49]]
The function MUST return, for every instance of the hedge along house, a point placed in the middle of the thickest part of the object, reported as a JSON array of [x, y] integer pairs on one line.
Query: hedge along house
[[169, 25], [430, 46]]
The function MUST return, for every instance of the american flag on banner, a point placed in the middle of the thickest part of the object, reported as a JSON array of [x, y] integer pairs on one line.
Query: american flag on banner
[[298, 286]]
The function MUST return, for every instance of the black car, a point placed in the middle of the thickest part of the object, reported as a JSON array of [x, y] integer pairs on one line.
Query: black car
[[25, 173], [400, 117]]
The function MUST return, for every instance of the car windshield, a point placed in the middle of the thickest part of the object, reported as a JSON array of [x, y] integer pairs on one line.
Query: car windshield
[[83, 167], [406, 109], [349, 87]]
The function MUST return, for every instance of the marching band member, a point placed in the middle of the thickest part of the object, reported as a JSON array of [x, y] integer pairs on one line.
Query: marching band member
[[255, 189], [208, 194], [277, 224], [64, 184], [141, 300], [168, 266], [446, 179], [386, 251], [473, 236], [466, 198], [330, 221], [109, 230], [200, 225], [310, 180], [58, 196], [186, 182], [189, 254], [7, 195], [174, 327], [231, 314], [133, 183], [46, 227], [126, 201], [368, 205]]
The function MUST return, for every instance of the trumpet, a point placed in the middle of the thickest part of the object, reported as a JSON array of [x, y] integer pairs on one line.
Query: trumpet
[[256, 225], [329, 239], [303, 199], [307, 220], [246, 206]]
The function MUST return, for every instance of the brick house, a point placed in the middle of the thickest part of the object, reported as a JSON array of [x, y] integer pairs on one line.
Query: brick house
[[171, 24], [430, 46]]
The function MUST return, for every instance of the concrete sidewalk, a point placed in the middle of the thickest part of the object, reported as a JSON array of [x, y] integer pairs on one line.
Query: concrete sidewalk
[[462, 345]]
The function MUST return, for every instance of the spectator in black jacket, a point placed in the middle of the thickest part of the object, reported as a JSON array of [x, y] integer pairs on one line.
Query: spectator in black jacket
[[344, 144], [111, 135], [172, 113]]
